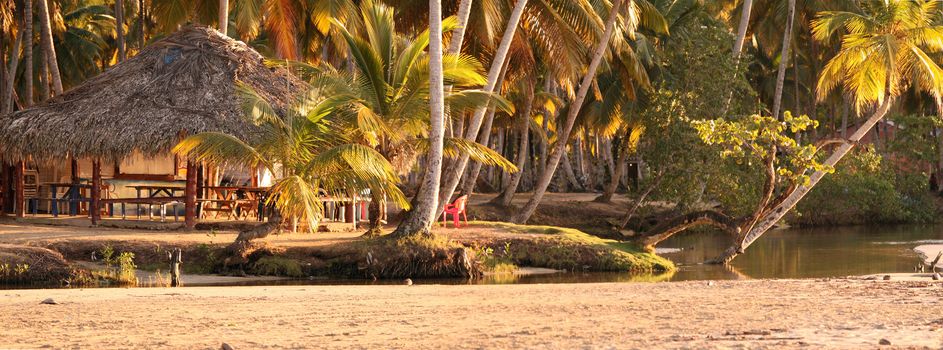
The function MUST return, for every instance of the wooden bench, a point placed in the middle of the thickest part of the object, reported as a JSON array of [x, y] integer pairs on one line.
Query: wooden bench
[[163, 202], [226, 206]]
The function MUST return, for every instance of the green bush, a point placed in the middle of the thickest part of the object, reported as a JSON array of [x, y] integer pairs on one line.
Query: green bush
[[277, 266], [865, 189]]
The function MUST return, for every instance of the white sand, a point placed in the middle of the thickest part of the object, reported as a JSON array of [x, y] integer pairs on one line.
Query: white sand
[[840, 314]]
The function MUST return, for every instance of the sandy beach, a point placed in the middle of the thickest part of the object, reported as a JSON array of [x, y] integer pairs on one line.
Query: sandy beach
[[726, 314]]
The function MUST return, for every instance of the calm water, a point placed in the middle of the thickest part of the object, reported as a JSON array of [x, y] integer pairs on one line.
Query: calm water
[[792, 253], [806, 253]]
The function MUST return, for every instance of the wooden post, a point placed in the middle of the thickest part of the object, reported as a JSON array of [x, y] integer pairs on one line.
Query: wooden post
[[349, 216], [20, 201], [190, 193], [5, 188], [96, 192], [74, 171], [176, 259]]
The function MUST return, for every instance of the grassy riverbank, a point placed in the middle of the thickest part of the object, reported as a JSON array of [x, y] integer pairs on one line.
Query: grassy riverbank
[[488, 247]]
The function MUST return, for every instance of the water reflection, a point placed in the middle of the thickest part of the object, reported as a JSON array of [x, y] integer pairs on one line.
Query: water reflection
[[805, 253], [792, 253]]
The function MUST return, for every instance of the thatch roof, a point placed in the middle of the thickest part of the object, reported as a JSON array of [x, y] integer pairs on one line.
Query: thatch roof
[[181, 85]]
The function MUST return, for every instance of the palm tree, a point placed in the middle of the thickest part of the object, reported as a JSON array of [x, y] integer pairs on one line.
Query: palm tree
[[49, 46], [427, 198], [384, 95], [885, 48], [566, 128], [452, 178], [308, 153], [85, 41]]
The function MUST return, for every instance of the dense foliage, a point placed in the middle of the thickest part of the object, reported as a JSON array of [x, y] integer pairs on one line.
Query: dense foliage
[[670, 113]]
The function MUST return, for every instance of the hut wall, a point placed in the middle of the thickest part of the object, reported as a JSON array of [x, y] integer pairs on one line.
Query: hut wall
[[138, 164]]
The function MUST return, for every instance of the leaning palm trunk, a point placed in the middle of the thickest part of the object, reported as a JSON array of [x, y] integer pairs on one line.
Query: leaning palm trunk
[[11, 76], [47, 41], [738, 43], [423, 215], [784, 61], [471, 178], [742, 28], [769, 220], [617, 171], [454, 175], [560, 147], [458, 34], [508, 194], [484, 137], [570, 174]]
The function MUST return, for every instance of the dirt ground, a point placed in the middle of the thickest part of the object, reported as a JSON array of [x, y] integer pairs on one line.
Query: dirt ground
[[838, 314]]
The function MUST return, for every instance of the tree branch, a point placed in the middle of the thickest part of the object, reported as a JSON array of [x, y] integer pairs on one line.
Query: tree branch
[[670, 227]]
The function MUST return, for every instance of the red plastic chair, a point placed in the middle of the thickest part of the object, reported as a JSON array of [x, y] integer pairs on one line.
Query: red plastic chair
[[456, 208]]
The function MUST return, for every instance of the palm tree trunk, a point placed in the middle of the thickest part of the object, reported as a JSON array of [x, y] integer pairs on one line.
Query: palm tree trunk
[[742, 28], [769, 220], [11, 75], [27, 52], [560, 146], [455, 47], [119, 29], [422, 217], [570, 174], [454, 175], [44, 83], [458, 34], [613, 184], [49, 46], [141, 18], [545, 126], [471, 178], [524, 142], [784, 60], [3, 79], [223, 16]]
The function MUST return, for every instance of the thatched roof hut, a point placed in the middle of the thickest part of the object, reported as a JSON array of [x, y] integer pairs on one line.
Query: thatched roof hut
[[181, 85]]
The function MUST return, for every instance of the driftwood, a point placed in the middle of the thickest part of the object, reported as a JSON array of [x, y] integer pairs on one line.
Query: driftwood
[[670, 227], [176, 258], [935, 261]]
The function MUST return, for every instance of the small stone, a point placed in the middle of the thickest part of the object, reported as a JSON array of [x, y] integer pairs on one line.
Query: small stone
[[884, 342], [887, 277], [226, 347], [408, 282], [49, 301], [936, 276], [710, 283]]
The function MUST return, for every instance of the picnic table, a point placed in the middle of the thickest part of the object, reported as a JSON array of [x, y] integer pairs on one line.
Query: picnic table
[[150, 196], [150, 202], [73, 195], [235, 201], [154, 191]]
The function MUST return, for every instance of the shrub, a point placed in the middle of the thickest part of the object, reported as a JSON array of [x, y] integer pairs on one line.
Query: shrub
[[866, 189], [276, 266]]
